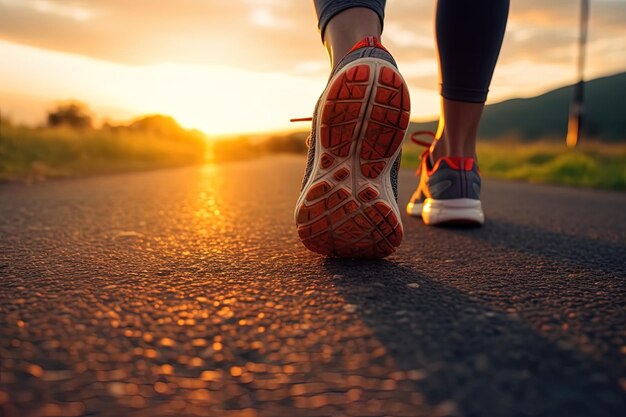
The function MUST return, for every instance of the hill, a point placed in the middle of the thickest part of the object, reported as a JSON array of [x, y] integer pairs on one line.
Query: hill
[[545, 116]]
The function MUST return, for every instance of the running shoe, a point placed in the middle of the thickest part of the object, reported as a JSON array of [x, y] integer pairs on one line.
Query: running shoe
[[448, 191], [348, 201]]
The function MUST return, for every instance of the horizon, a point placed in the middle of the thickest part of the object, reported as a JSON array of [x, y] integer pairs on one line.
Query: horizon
[[100, 122], [79, 50]]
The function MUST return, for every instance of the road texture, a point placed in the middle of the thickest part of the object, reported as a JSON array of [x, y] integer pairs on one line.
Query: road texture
[[186, 292]]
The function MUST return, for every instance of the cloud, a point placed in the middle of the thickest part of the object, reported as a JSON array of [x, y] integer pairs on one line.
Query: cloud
[[145, 32], [65, 9], [281, 35], [274, 35]]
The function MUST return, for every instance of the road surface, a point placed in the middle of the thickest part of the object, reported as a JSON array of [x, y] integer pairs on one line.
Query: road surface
[[186, 292]]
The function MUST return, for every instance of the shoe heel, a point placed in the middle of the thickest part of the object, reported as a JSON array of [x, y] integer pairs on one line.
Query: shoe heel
[[453, 211], [348, 207]]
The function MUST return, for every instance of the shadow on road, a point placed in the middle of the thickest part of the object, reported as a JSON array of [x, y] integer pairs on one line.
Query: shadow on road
[[577, 251], [497, 365]]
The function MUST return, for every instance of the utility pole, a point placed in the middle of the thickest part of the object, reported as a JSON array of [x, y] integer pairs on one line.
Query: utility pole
[[576, 110]]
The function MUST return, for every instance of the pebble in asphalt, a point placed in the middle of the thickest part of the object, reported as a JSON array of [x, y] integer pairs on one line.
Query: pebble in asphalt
[[185, 292]]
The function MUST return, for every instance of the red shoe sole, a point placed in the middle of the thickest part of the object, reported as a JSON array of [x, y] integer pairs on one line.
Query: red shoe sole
[[348, 208]]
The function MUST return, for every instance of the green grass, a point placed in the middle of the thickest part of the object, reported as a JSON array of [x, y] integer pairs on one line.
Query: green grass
[[37, 153], [590, 165]]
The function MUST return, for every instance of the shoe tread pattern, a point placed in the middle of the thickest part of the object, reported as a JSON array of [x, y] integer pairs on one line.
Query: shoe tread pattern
[[363, 121]]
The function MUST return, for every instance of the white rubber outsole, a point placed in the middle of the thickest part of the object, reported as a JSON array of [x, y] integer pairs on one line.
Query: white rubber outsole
[[458, 210]]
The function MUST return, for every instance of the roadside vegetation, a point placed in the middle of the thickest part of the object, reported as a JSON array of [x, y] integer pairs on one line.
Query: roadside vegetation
[[591, 165], [248, 147], [69, 145]]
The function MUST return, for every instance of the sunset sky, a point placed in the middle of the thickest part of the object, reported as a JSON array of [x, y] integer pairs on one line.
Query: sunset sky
[[249, 65]]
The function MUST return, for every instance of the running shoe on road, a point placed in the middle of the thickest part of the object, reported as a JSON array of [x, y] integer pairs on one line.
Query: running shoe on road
[[448, 191], [347, 206]]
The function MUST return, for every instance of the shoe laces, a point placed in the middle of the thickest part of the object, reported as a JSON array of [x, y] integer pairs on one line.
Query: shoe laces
[[415, 138], [304, 119]]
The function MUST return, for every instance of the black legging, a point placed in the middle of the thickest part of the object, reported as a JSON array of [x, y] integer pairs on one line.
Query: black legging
[[469, 36]]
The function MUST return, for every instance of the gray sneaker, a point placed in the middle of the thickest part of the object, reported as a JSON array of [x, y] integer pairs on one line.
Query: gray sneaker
[[347, 206], [448, 192]]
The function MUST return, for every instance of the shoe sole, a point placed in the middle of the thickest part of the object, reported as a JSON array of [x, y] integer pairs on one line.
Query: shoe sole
[[348, 208], [414, 209], [461, 211]]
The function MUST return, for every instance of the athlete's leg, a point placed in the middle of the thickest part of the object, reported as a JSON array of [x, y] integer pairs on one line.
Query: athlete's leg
[[469, 37], [343, 23]]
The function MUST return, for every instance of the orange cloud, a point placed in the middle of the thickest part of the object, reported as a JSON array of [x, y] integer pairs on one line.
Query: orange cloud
[[280, 37]]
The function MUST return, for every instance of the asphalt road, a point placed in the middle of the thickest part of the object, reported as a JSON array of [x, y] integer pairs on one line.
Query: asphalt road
[[186, 292]]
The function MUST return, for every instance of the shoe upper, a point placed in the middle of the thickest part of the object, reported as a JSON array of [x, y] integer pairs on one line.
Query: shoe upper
[[449, 178], [369, 47]]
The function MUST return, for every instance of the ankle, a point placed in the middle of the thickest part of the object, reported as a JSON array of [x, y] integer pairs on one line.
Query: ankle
[[347, 28], [455, 147], [458, 129]]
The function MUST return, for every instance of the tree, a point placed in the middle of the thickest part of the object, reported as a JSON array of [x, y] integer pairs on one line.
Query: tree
[[73, 114]]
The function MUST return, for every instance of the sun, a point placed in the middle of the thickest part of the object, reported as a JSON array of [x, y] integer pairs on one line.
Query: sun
[[215, 99]]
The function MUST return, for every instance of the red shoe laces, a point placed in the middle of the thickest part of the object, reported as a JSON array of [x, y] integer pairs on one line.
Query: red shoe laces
[[304, 119], [415, 138]]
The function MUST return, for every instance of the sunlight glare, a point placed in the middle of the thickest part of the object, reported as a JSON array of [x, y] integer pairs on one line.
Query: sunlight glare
[[217, 100]]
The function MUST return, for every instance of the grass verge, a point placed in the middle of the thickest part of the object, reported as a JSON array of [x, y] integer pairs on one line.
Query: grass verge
[[37, 153], [590, 165]]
